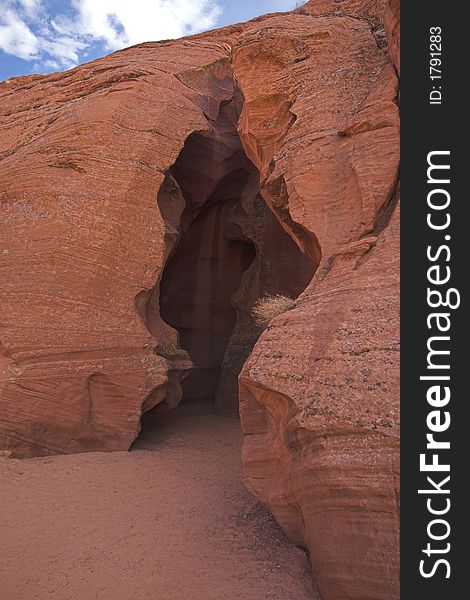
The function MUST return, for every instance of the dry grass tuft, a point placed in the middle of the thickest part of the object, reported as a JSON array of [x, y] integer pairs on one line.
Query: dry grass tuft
[[300, 8], [268, 307]]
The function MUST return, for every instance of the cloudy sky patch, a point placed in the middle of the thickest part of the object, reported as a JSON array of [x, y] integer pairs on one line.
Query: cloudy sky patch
[[49, 35]]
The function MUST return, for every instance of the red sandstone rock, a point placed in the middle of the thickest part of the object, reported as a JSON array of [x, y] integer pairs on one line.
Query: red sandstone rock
[[318, 395], [371, 11], [92, 211], [83, 157], [392, 30]]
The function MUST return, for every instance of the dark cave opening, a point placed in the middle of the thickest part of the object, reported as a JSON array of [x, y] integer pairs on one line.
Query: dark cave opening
[[226, 249], [196, 294]]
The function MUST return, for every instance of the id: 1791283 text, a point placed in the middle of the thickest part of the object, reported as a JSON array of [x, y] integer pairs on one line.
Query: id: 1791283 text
[[435, 64]]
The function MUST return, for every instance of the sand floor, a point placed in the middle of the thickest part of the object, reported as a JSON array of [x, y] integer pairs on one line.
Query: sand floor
[[169, 520]]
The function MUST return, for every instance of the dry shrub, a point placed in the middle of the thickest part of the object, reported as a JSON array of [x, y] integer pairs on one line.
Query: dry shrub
[[300, 8], [268, 307]]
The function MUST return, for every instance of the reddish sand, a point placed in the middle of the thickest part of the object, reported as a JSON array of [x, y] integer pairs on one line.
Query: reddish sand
[[169, 520]]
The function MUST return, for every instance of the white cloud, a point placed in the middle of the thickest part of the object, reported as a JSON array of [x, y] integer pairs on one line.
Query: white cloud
[[52, 64], [32, 8], [16, 38], [121, 23], [64, 49], [29, 30]]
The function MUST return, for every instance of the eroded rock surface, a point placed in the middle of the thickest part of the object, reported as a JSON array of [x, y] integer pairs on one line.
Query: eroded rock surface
[[94, 208], [319, 394], [84, 154]]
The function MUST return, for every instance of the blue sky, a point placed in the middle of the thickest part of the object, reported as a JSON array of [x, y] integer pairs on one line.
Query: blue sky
[[42, 36]]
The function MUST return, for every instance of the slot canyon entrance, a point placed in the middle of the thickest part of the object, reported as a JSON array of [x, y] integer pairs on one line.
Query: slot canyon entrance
[[172, 516], [225, 250], [228, 251]]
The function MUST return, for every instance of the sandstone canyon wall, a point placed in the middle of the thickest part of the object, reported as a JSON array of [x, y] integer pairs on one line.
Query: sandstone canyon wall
[[276, 142], [319, 393]]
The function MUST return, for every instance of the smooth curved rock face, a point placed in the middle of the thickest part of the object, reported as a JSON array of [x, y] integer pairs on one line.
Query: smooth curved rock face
[[320, 416], [82, 240], [319, 393], [93, 210]]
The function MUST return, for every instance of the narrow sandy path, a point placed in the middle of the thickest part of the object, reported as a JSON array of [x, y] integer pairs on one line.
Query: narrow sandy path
[[169, 520]]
